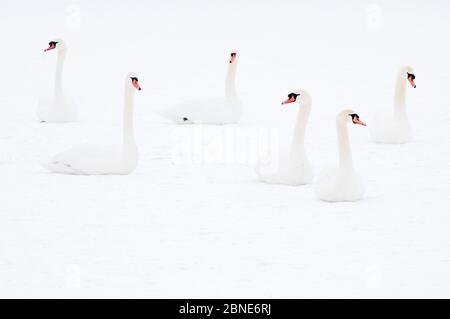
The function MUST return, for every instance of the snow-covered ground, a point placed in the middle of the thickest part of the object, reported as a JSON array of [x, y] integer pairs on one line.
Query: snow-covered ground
[[206, 227]]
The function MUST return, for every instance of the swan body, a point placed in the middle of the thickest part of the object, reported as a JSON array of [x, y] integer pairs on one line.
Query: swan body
[[57, 108], [294, 168], [226, 110], [336, 185], [394, 128], [342, 183], [208, 111], [94, 160], [119, 159]]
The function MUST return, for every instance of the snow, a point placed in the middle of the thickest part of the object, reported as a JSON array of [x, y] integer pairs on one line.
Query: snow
[[207, 228]]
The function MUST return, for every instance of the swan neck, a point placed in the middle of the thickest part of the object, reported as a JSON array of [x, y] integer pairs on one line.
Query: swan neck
[[298, 140], [128, 129], [230, 84], [345, 154], [59, 72], [400, 97]]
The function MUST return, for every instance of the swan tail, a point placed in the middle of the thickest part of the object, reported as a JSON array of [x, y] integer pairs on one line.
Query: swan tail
[[263, 177], [60, 168], [173, 116], [270, 179]]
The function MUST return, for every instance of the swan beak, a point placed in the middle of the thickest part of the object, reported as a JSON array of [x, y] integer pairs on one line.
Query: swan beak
[[136, 85], [411, 80], [51, 47], [290, 100], [232, 58], [359, 122]]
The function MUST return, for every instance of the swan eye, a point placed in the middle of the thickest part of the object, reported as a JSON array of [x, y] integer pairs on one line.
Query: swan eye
[[134, 79], [411, 76], [355, 117]]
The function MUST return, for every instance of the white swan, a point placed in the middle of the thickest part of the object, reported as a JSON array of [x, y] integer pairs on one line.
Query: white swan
[[102, 160], [294, 168], [395, 128], [342, 183], [57, 108], [225, 110]]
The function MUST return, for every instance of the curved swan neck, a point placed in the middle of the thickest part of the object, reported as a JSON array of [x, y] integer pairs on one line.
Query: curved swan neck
[[345, 153], [298, 140], [230, 84], [59, 72], [128, 130], [400, 96]]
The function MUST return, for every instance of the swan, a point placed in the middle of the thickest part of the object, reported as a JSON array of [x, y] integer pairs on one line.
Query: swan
[[226, 110], [342, 183], [120, 159], [294, 168], [57, 108], [395, 128]]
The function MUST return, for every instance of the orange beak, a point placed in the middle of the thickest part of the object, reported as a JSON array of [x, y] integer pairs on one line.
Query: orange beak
[[290, 100], [359, 122], [411, 81], [136, 85], [232, 58], [51, 47]]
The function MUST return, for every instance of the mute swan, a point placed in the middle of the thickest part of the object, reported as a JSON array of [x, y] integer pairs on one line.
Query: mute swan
[[395, 128], [342, 183], [294, 168], [103, 160], [57, 108], [211, 111]]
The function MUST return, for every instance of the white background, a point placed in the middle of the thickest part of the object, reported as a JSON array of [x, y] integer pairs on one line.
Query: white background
[[211, 229]]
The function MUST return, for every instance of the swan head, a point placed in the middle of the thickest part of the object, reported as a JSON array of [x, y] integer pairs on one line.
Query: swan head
[[296, 96], [407, 73], [233, 57], [350, 117], [133, 81], [57, 44]]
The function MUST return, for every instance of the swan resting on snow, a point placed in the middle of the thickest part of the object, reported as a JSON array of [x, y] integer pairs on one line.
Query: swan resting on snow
[[226, 110], [119, 159], [294, 168], [57, 108], [342, 183], [395, 128]]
